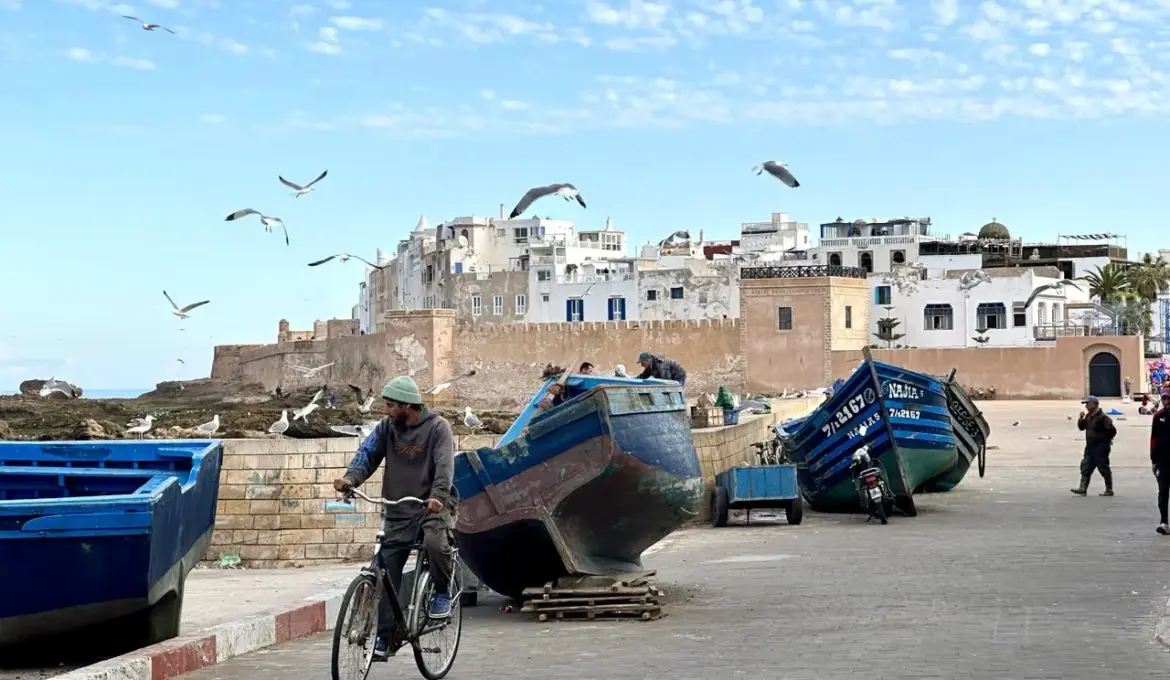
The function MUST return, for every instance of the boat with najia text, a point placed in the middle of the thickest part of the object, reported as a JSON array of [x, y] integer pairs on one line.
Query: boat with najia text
[[580, 489], [908, 429]]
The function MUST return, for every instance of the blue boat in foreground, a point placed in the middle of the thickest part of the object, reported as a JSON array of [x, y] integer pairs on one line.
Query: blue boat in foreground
[[102, 532], [909, 433], [580, 489]]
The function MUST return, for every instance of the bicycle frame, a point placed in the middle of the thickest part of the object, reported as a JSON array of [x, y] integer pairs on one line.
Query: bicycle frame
[[407, 622]]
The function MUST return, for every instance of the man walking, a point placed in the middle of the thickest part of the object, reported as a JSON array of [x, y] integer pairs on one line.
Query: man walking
[[419, 455], [1099, 433], [1160, 462]]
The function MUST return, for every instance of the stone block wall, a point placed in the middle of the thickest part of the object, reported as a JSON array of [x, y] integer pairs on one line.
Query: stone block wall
[[272, 493]]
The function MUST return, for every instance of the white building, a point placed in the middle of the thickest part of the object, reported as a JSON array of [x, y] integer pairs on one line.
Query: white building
[[935, 313], [582, 276]]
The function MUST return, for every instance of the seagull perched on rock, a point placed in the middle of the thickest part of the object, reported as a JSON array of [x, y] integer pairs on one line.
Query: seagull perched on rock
[[210, 427], [136, 422], [299, 189], [281, 426], [777, 170], [181, 312], [565, 191], [1057, 286], [268, 222], [148, 26], [343, 257], [471, 420], [142, 427]]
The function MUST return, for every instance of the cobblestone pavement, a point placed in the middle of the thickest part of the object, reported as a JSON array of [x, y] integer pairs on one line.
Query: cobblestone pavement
[[1008, 577]]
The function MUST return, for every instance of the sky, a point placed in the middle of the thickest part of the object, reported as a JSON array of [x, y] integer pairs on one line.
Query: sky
[[125, 149]]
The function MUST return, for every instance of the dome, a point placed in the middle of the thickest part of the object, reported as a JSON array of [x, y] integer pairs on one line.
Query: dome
[[994, 230], [422, 225]]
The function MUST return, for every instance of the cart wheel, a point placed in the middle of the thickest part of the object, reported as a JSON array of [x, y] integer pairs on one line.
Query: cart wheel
[[794, 511], [982, 459], [719, 507]]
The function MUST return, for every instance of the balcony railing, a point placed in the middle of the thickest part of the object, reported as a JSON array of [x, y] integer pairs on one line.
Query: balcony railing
[[863, 241], [598, 278], [1070, 330], [801, 272]]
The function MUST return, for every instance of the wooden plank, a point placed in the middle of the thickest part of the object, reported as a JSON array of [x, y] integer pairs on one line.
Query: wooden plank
[[584, 592], [602, 615], [565, 601]]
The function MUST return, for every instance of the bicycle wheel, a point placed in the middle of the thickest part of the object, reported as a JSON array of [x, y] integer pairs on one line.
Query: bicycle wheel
[[356, 631], [438, 641]]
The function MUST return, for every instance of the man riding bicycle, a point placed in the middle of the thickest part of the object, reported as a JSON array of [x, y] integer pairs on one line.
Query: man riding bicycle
[[419, 454]]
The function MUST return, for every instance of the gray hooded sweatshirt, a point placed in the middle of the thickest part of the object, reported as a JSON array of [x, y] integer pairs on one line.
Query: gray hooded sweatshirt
[[419, 461]]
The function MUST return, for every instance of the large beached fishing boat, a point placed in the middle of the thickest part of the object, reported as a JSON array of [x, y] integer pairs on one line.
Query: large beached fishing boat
[[971, 434]]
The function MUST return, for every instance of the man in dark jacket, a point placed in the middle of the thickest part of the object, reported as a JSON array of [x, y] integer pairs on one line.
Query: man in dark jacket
[[1160, 462], [1099, 433], [654, 366]]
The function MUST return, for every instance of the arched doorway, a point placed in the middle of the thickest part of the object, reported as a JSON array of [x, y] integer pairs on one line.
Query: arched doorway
[[1104, 375]]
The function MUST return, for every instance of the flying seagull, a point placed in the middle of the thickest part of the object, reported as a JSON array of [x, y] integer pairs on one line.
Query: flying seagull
[[344, 257], [268, 222], [310, 372], [180, 360], [777, 170], [301, 413], [148, 26], [681, 235], [53, 385], [182, 312], [565, 191], [301, 189], [973, 278], [1058, 286], [365, 399]]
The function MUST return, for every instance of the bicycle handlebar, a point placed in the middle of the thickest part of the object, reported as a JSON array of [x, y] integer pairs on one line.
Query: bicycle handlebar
[[384, 501]]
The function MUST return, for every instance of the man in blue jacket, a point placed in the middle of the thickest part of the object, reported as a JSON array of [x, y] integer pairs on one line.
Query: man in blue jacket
[[419, 455]]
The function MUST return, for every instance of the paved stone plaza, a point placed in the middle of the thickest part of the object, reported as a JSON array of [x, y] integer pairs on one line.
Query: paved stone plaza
[[1007, 577]]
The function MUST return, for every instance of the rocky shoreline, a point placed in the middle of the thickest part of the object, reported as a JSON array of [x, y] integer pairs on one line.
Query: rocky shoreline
[[245, 411]]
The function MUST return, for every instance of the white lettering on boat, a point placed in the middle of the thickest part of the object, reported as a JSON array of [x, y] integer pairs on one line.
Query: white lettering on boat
[[895, 390], [847, 412], [905, 413], [867, 423]]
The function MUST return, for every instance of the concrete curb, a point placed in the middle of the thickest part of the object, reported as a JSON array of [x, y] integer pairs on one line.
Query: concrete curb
[[217, 644]]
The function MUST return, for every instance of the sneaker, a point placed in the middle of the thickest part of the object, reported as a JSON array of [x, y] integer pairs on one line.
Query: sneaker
[[1163, 529], [1107, 492], [440, 606], [1079, 492], [381, 649]]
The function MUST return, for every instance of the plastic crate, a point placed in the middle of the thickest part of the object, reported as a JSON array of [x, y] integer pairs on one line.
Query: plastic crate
[[730, 417]]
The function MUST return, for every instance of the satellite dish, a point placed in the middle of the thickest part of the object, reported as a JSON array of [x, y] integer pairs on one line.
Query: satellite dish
[[462, 241]]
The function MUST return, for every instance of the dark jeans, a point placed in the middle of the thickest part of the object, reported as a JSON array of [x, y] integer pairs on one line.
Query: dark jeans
[[1097, 458], [1163, 491], [437, 544]]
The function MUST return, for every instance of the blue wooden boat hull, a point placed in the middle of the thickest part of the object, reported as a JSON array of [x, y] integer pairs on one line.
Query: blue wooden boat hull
[[91, 532], [581, 489], [909, 433], [971, 433]]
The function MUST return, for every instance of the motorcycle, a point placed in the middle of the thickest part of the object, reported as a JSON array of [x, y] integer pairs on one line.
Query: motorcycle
[[870, 481]]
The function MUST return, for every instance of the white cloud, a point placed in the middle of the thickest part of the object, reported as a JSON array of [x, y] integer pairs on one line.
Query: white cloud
[[324, 48], [169, 4], [638, 14], [233, 46], [137, 64], [630, 44], [328, 34], [80, 54], [339, 4], [515, 105], [1040, 49], [301, 10], [357, 23], [946, 12], [487, 94], [485, 29], [213, 118]]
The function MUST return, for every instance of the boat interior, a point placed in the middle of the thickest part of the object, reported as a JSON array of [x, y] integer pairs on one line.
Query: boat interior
[[42, 471], [576, 386]]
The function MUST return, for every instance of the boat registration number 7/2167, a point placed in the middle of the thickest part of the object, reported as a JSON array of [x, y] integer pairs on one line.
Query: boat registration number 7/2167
[[846, 413]]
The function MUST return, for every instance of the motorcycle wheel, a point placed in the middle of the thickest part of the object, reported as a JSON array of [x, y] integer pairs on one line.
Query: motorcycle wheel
[[879, 511]]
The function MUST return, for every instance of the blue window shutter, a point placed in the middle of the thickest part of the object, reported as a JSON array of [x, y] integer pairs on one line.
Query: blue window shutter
[[568, 310], [877, 294], [458, 267], [612, 307]]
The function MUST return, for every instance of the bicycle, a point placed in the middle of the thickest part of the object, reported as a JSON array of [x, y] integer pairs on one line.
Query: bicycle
[[357, 620]]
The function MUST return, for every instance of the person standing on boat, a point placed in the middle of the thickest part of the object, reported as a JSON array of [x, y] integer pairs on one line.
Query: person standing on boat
[[1160, 462], [419, 454], [654, 366], [1099, 433]]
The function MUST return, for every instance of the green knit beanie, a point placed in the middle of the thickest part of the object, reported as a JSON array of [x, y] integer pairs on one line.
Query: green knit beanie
[[403, 390]]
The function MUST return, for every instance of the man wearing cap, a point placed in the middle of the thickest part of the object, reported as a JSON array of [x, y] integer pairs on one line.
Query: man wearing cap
[[654, 366], [1160, 461], [419, 454], [1099, 433]]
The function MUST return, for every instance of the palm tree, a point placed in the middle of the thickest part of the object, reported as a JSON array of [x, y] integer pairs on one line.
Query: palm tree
[[1108, 283], [1150, 277]]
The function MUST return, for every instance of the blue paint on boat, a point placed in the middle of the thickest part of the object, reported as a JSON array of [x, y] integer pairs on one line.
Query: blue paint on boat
[[582, 488], [95, 531], [909, 432]]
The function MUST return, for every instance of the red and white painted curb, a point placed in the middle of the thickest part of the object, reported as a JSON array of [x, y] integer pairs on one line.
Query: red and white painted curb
[[217, 644]]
